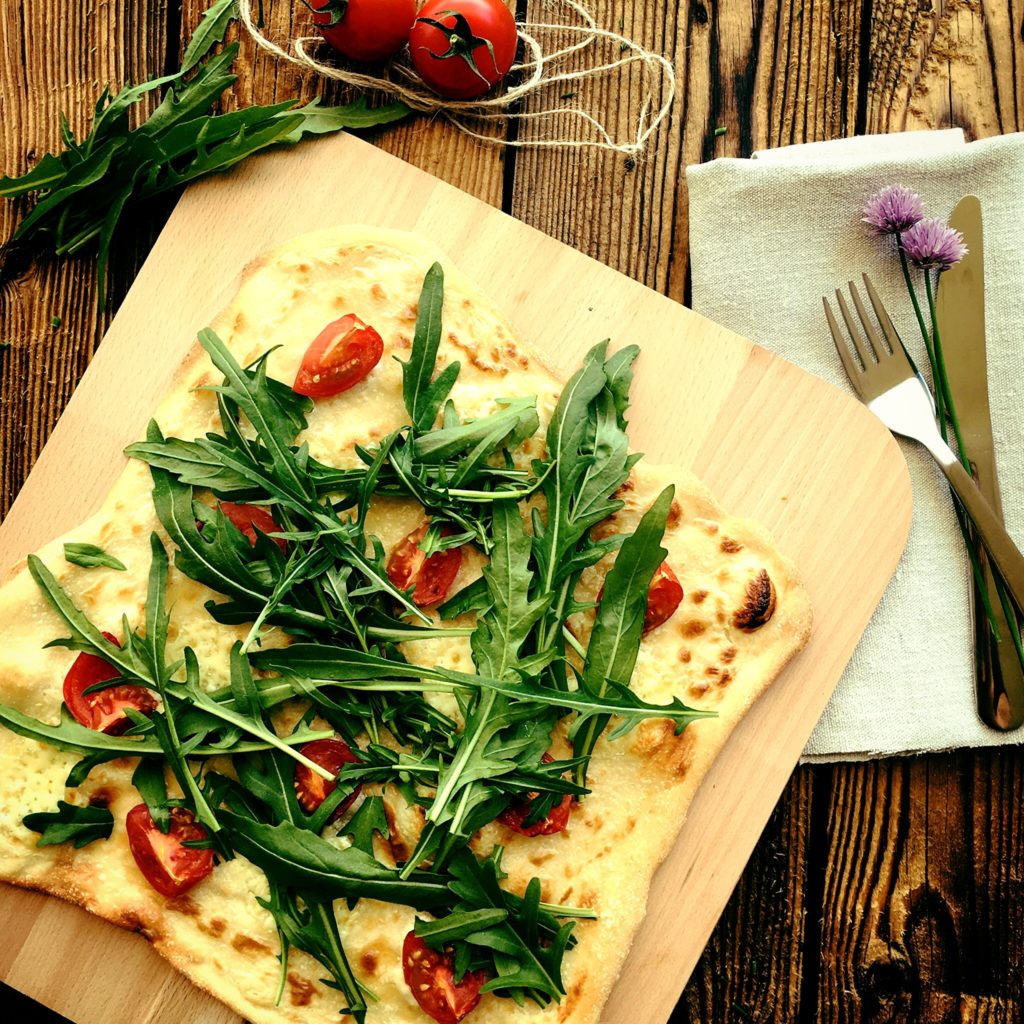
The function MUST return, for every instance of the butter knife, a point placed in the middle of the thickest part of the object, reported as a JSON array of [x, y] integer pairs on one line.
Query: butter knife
[[961, 316]]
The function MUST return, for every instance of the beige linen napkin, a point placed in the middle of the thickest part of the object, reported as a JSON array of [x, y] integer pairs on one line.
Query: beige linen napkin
[[770, 236]]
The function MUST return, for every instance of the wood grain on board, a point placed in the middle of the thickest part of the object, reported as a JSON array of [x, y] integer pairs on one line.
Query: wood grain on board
[[793, 945]]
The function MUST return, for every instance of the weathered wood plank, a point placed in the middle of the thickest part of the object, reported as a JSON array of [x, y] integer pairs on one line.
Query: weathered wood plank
[[941, 64], [57, 59], [751, 968]]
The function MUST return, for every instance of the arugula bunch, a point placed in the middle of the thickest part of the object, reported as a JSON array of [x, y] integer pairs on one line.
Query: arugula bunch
[[83, 191], [351, 635]]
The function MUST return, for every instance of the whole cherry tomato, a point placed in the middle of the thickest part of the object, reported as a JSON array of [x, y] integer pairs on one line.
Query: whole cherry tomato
[[169, 866], [432, 576], [462, 48], [249, 518], [556, 820], [341, 355], [365, 30], [431, 979], [313, 789], [103, 710], [663, 597]]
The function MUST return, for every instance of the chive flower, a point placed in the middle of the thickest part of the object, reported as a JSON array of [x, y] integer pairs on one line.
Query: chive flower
[[892, 210], [931, 244]]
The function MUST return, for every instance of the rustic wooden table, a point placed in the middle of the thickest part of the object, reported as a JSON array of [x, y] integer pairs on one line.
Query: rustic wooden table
[[889, 891]]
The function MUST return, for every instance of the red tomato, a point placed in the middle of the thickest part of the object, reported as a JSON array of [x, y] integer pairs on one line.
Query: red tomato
[[313, 789], [431, 979], [249, 518], [341, 355], [556, 820], [663, 597], [169, 866], [433, 577], [365, 30], [461, 48], [103, 710]]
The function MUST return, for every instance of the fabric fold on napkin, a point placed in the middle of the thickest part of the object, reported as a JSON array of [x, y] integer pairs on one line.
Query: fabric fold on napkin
[[769, 237]]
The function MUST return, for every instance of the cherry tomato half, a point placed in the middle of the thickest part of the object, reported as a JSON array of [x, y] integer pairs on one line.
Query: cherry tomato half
[[663, 597], [169, 866], [432, 576], [103, 710], [313, 789], [431, 979], [556, 820], [341, 355], [462, 48], [365, 30], [249, 518]]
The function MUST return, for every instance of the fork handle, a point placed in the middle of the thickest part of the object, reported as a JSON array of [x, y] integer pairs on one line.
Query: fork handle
[[1004, 553]]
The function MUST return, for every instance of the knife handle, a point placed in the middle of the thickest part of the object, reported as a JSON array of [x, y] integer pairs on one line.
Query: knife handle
[[998, 671], [1004, 553]]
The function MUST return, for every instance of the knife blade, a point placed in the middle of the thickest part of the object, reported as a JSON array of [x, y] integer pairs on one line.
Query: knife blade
[[960, 308]]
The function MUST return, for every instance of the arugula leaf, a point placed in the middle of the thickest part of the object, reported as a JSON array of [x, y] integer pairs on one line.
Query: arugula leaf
[[85, 189], [148, 779], [210, 31], [91, 556], [309, 924], [424, 399], [618, 626], [368, 819], [70, 824], [295, 857]]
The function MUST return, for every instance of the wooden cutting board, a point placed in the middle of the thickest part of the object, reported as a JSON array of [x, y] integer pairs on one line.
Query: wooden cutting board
[[770, 440]]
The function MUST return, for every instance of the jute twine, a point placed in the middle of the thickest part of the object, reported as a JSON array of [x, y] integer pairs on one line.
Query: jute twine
[[539, 81]]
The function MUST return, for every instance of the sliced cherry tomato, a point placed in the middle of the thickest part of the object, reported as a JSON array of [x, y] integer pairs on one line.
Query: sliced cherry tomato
[[169, 866], [556, 820], [462, 48], [313, 789], [663, 597], [341, 355], [431, 979], [432, 576], [103, 710], [365, 30], [249, 518]]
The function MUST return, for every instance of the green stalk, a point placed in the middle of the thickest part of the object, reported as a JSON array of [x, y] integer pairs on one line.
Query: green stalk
[[941, 377], [940, 411]]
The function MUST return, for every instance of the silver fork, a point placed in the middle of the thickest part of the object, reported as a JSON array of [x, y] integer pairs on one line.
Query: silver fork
[[888, 383]]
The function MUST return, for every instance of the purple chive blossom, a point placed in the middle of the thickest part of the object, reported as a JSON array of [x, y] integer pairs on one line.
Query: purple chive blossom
[[932, 244], [892, 210]]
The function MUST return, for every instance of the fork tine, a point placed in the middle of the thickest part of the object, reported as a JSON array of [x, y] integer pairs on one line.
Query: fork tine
[[883, 317], [852, 370], [874, 340], [866, 360]]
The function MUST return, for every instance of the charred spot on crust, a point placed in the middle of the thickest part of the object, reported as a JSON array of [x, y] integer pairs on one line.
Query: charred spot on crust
[[693, 627], [728, 654], [377, 292], [368, 962], [675, 514], [301, 990], [730, 546], [102, 797], [216, 927], [758, 603], [698, 596], [685, 655], [247, 944]]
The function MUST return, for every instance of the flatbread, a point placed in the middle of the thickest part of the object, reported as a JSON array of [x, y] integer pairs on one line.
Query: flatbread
[[744, 615]]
